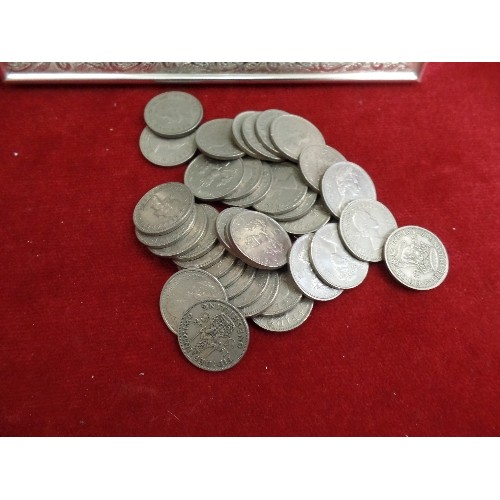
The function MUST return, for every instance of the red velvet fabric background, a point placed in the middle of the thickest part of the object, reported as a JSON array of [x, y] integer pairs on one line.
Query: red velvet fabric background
[[84, 350]]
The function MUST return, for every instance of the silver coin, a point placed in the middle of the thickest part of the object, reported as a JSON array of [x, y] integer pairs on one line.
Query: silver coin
[[263, 125], [213, 335], [332, 262], [208, 240], [290, 134], [205, 261], [266, 297], [260, 192], [260, 241], [288, 320], [237, 137], [287, 192], [223, 220], [288, 296], [166, 152], [163, 208], [252, 293], [252, 173], [182, 290], [253, 142], [364, 227], [343, 182], [233, 274], [173, 114], [242, 283], [304, 275], [190, 239], [210, 179], [314, 160], [215, 139], [298, 212], [222, 266], [317, 217], [416, 257]]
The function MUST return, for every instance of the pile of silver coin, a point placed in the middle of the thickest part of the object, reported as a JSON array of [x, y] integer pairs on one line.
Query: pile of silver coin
[[303, 224]]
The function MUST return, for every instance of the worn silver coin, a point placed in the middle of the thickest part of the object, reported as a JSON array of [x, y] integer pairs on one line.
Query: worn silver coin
[[314, 161], [260, 192], [266, 297], [344, 182], [304, 275], [215, 139], [364, 227], [317, 217], [242, 283], [213, 335], [173, 114], [233, 274], [252, 293], [252, 173], [253, 142], [416, 257], [238, 137], [288, 296], [185, 288], [298, 212], [288, 320], [203, 262], [223, 220], [221, 266], [263, 125]]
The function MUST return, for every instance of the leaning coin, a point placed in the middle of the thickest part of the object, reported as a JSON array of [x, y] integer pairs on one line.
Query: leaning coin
[[260, 192], [237, 137], [253, 292], [166, 152], [290, 134], [205, 261], [266, 298], [222, 266], [163, 208], [343, 182], [173, 114], [182, 290], [262, 128], [252, 173], [223, 220], [213, 335], [215, 139], [288, 296], [242, 283], [364, 227], [416, 257], [317, 217], [233, 274], [314, 161], [298, 212], [288, 320], [332, 262], [253, 142], [304, 275], [210, 179]]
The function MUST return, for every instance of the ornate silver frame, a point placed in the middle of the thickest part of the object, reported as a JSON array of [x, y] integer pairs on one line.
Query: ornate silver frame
[[212, 72]]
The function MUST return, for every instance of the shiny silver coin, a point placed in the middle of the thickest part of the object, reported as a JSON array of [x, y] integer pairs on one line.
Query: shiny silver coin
[[288, 320], [182, 290], [223, 220], [173, 114], [208, 240], [314, 161], [287, 192], [301, 210], [304, 275], [237, 136], [266, 297], [364, 227], [166, 152], [203, 262], [317, 217], [222, 266], [215, 139], [343, 182], [163, 208], [260, 192], [210, 179], [288, 296], [260, 241], [262, 128], [252, 173], [416, 257], [332, 262], [213, 335], [190, 239], [290, 134], [253, 142], [242, 283], [253, 292], [233, 274]]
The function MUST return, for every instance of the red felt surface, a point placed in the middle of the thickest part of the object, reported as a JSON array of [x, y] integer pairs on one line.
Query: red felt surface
[[84, 350]]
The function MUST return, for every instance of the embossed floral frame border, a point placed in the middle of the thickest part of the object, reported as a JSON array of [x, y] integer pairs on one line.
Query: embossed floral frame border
[[199, 72]]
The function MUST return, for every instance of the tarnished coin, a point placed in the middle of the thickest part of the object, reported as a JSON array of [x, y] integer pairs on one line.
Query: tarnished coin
[[304, 275], [298, 212], [287, 192], [163, 208], [364, 227], [260, 192], [317, 217], [166, 152], [252, 293], [290, 134], [252, 173], [213, 335], [253, 142], [259, 240], [288, 320], [237, 136], [205, 261], [343, 182], [332, 262], [215, 139], [287, 297], [233, 274], [173, 114], [314, 161], [416, 257], [222, 265], [263, 125], [242, 283], [185, 288], [266, 297], [210, 179], [223, 220]]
